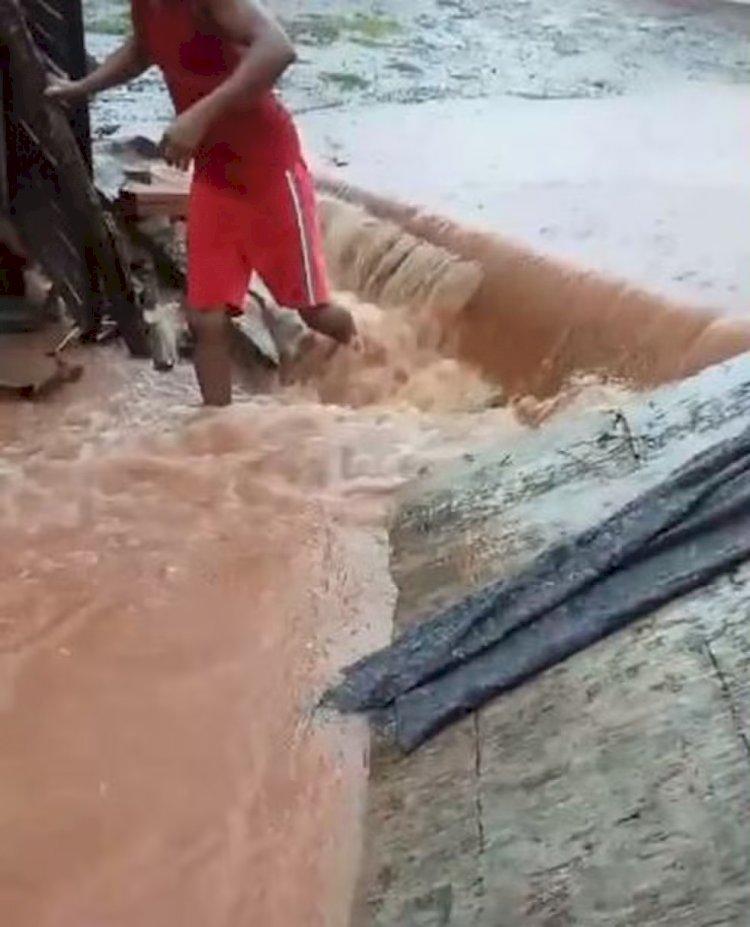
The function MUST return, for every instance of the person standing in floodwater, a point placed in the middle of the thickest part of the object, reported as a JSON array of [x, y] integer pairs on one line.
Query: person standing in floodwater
[[252, 201]]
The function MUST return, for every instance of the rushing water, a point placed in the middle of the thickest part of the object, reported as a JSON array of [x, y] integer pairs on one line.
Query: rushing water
[[177, 585]]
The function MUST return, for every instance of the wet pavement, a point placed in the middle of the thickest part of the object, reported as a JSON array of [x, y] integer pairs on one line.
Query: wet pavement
[[352, 53], [651, 188]]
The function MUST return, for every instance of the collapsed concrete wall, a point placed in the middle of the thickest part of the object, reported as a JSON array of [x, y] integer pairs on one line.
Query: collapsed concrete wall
[[534, 322], [527, 322], [613, 789]]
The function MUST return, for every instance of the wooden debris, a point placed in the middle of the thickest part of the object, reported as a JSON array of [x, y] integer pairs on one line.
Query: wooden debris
[[57, 155], [164, 193], [150, 207], [149, 211], [33, 366]]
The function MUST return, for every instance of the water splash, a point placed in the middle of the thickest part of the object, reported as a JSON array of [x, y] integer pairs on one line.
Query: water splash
[[179, 585]]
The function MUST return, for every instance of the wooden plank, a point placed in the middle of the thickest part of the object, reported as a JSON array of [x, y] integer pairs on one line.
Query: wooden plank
[[422, 851], [616, 786], [48, 37], [53, 11], [57, 28], [76, 46], [78, 68], [156, 198]]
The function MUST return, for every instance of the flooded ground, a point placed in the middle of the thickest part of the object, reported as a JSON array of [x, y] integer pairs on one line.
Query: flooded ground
[[178, 585]]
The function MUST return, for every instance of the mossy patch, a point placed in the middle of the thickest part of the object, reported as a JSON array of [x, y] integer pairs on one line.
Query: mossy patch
[[107, 18], [314, 29], [324, 29], [345, 80], [372, 26]]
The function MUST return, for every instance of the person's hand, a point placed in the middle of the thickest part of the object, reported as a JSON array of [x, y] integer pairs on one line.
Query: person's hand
[[181, 139], [63, 90]]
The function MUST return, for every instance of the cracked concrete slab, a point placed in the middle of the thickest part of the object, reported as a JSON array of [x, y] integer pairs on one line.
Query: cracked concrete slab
[[614, 789]]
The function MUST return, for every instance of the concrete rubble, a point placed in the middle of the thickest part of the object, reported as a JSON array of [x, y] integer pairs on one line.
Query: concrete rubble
[[615, 789]]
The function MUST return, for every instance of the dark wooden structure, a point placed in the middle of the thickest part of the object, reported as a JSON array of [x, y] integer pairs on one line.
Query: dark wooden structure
[[45, 169], [57, 29]]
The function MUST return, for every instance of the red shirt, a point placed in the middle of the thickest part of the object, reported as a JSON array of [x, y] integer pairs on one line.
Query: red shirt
[[244, 146]]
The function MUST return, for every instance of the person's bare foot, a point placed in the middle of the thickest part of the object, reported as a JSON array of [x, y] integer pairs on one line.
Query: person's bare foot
[[333, 321]]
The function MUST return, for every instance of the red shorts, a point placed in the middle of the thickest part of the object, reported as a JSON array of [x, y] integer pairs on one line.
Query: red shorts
[[274, 233]]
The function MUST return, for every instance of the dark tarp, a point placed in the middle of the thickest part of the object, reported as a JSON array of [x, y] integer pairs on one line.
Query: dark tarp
[[675, 538]]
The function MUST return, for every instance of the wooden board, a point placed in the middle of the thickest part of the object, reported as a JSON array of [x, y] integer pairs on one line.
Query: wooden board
[[4, 96], [161, 196], [57, 29]]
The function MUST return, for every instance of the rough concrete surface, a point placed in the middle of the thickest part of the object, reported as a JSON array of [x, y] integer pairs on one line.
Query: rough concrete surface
[[355, 51], [614, 790]]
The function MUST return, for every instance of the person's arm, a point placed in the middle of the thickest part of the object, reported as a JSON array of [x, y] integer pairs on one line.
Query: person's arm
[[267, 54], [123, 65]]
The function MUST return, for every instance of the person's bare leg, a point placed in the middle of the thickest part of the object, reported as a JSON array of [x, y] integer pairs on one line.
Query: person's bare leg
[[333, 321], [212, 355]]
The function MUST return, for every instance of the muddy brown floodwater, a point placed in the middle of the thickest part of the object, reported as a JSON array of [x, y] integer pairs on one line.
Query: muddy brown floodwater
[[177, 586]]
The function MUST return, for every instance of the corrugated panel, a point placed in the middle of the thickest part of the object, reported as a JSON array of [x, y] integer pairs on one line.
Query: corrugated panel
[[57, 28], [55, 205], [4, 192], [38, 200]]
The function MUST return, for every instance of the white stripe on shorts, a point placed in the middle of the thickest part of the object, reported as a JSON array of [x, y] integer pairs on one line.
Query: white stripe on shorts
[[305, 245]]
